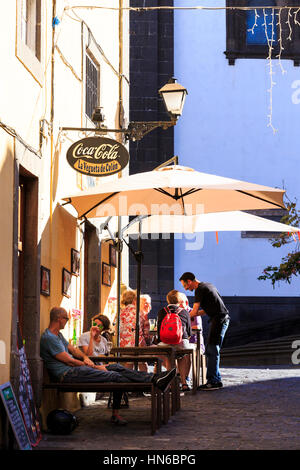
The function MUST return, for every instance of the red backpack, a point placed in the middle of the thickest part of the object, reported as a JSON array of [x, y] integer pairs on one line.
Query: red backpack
[[171, 328]]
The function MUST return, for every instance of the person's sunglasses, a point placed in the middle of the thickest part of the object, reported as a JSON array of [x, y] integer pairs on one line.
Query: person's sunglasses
[[65, 318]]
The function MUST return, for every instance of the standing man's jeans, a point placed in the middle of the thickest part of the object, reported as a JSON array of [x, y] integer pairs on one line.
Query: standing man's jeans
[[212, 351]]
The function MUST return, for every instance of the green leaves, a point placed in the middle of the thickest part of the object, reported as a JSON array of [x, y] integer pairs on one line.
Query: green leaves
[[290, 264]]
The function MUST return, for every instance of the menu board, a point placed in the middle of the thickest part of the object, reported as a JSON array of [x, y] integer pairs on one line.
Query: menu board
[[26, 398], [15, 416]]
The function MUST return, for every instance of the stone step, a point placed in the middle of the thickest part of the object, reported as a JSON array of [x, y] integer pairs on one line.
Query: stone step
[[262, 331], [276, 351]]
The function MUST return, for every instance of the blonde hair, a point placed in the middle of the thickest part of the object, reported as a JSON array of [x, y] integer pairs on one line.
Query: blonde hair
[[183, 298], [173, 297], [128, 297]]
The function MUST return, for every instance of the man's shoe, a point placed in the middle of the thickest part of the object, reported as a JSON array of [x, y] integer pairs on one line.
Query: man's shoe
[[118, 420], [208, 386], [163, 379], [185, 388]]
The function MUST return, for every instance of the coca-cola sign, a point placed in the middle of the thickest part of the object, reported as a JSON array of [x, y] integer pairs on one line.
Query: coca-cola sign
[[97, 156]]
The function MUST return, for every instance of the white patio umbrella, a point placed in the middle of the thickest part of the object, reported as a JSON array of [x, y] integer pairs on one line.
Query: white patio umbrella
[[213, 222], [171, 190]]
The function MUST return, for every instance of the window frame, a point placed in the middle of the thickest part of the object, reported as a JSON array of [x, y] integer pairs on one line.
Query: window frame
[[236, 28], [29, 52]]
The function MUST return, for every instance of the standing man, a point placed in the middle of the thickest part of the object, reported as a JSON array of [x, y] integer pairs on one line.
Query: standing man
[[209, 302]]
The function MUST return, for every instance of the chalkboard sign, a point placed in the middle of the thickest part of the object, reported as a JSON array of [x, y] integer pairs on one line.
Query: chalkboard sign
[[14, 415], [26, 398]]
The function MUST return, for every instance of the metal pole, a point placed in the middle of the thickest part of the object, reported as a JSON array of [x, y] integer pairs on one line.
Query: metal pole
[[119, 279], [138, 285]]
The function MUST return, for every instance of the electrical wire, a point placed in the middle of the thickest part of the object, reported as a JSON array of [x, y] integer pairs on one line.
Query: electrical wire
[[91, 36], [14, 134], [199, 7]]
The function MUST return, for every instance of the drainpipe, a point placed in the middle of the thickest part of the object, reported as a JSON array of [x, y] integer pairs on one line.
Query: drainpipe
[[52, 120]]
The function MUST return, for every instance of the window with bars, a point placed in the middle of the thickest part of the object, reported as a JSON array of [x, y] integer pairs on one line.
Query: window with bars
[[91, 86], [251, 33]]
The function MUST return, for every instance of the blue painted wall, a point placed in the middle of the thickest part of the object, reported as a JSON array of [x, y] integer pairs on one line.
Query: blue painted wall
[[224, 131]]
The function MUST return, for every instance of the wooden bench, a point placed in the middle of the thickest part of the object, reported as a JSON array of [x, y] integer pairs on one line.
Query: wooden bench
[[159, 406]]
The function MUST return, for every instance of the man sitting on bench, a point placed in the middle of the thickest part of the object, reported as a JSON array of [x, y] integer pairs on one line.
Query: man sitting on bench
[[67, 364]]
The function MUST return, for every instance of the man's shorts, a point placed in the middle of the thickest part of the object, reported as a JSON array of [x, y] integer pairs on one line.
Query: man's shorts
[[185, 344]]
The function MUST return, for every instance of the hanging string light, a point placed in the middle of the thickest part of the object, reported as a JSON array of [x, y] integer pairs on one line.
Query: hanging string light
[[281, 48], [255, 25]]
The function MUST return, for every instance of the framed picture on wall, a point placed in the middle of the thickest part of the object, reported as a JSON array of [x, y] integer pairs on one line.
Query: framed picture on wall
[[66, 282], [45, 281], [106, 274], [75, 262], [113, 256]]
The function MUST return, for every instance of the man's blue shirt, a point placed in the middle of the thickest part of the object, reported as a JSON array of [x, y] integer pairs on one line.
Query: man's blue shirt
[[50, 346]]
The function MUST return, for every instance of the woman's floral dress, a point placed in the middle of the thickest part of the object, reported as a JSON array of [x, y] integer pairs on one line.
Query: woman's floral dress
[[127, 327]]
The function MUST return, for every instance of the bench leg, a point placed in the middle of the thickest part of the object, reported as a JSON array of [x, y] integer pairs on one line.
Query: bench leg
[[203, 368], [159, 408], [195, 372], [154, 409], [177, 394], [166, 407], [174, 396]]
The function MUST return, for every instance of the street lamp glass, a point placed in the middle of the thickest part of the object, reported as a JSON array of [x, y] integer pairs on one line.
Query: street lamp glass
[[174, 96]]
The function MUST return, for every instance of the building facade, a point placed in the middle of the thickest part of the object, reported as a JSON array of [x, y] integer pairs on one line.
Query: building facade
[[58, 65], [241, 121]]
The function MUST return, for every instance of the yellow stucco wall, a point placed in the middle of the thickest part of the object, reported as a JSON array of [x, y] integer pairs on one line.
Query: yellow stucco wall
[[6, 245], [25, 99]]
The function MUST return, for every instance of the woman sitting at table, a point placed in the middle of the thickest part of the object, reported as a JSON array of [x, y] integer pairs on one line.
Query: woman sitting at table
[[92, 343], [105, 327], [128, 325]]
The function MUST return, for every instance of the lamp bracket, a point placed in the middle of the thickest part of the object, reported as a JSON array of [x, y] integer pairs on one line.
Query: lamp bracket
[[136, 130]]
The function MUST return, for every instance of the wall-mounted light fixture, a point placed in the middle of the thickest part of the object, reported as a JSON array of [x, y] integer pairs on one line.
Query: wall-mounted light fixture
[[173, 95]]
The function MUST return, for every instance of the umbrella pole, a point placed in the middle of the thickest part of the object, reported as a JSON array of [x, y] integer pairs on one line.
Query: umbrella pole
[[119, 280], [138, 285]]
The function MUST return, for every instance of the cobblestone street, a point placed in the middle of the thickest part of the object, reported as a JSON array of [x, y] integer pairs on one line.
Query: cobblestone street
[[258, 409]]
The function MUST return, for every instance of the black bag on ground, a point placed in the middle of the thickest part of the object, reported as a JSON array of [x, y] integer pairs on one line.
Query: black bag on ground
[[61, 421]]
